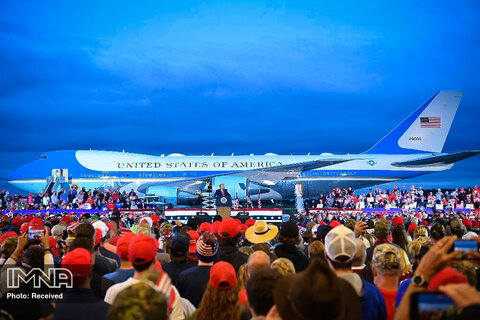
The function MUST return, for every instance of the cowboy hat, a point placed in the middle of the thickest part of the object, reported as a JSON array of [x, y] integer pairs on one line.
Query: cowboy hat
[[261, 232]]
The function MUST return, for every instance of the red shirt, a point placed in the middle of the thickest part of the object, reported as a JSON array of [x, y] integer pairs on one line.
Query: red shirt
[[389, 297]]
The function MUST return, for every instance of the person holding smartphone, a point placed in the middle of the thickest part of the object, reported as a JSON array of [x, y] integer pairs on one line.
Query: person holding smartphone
[[465, 297], [27, 256]]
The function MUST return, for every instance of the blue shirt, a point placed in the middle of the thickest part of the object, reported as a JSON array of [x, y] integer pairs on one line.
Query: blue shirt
[[174, 269], [191, 283], [402, 288], [373, 303]]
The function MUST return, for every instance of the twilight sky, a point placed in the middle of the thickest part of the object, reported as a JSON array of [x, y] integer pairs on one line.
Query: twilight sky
[[198, 77]]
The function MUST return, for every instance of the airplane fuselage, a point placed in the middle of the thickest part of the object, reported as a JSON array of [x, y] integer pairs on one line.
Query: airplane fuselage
[[412, 148], [108, 169]]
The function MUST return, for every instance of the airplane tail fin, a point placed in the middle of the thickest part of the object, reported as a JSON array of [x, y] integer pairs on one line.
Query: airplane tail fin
[[425, 130]]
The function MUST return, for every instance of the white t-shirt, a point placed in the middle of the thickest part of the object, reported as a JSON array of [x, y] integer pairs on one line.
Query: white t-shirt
[[116, 288]]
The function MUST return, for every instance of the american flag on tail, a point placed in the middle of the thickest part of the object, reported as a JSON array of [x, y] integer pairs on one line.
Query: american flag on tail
[[236, 204], [430, 122]]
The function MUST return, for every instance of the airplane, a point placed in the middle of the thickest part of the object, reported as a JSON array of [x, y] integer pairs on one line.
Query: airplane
[[411, 149]]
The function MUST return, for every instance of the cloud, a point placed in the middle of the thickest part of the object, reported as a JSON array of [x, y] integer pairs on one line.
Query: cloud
[[201, 78]]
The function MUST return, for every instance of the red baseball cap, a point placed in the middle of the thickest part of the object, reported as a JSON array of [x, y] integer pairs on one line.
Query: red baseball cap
[[446, 276], [204, 227], [36, 224], [7, 235], [334, 223], [123, 244], [466, 222], [215, 226], [142, 249], [412, 227], [250, 222], [154, 218], [193, 241], [397, 220], [17, 221], [223, 276], [228, 229], [79, 262]]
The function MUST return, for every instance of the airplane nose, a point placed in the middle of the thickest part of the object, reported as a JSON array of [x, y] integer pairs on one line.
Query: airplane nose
[[27, 171], [21, 178], [13, 178], [13, 175]]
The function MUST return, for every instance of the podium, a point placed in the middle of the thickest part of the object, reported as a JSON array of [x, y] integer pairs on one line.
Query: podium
[[224, 205]]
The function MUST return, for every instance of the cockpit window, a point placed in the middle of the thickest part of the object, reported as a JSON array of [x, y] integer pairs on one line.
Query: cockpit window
[[42, 157]]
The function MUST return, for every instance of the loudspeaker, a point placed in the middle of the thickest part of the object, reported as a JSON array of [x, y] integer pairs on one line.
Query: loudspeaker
[[204, 217]]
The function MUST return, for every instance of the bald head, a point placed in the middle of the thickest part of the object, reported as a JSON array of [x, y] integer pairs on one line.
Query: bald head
[[257, 260]]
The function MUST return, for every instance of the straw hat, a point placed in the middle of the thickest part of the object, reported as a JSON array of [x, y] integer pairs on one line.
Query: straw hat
[[261, 232]]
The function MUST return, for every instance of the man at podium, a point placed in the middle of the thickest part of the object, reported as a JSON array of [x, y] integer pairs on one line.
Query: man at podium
[[223, 201]]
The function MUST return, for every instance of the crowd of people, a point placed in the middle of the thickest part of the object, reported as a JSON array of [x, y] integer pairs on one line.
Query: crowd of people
[[405, 198], [330, 265], [337, 267], [74, 198], [110, 199]]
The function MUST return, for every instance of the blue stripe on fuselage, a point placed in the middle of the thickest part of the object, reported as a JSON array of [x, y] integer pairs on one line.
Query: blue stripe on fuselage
[[403, 174]]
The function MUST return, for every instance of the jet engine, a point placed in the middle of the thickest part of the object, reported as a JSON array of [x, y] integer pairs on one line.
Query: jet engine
[[172, 195]]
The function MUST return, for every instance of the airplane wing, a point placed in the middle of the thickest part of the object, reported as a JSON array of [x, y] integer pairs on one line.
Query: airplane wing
[[263, 176], [437, 160]]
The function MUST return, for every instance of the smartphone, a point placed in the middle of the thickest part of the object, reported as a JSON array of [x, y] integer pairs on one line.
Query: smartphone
[[466, 245], [431, 305], [35, 236], [370, 224]]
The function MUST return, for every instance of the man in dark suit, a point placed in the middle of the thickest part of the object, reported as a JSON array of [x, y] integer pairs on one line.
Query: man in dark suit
[[223, 201]]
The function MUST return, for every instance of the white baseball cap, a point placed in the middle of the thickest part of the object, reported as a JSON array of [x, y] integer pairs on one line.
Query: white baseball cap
[[340, 241], [102, 226]]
